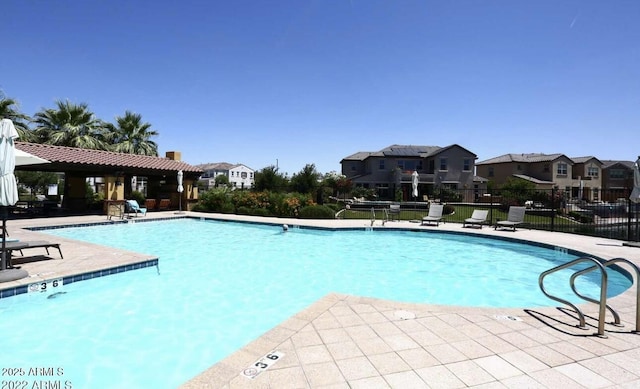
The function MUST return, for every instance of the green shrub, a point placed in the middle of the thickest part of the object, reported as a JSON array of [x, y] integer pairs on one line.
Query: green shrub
[[316, 212], [139, 197], [228, 208], [215, 200], [243, 210], [448, 210], [259, 212]]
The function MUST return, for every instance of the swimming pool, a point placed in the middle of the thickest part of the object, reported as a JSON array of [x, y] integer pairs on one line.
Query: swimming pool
[[222, 284]]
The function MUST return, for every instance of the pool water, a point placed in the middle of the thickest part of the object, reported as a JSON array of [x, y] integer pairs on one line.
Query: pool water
[[220, 285]]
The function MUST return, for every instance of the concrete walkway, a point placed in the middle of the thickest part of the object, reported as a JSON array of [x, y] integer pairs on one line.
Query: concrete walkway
[[346, 341]]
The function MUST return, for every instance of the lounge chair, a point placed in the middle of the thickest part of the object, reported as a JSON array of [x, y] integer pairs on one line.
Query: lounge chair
[[135, 208], [478, 218], [434, 215], [515, 217], [20, 246], [394, 211]]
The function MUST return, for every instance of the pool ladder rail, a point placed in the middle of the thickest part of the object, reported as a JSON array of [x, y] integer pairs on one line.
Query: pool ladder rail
[[602, 302], [373, 216]]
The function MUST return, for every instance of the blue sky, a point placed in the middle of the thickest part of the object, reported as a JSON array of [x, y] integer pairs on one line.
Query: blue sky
[[313, 81]]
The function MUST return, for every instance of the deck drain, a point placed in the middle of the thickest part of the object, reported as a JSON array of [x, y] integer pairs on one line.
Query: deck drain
[[507, 317], [262, 364], [404, 315]]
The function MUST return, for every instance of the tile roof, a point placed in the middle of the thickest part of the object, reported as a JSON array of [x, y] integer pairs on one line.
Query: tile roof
[[584, 159], [607, 163], [216, 166], [525, 158], [73, 156]]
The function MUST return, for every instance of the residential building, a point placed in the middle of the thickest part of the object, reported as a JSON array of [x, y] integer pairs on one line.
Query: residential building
[[239, 175], [617, 179], [578, 177], [390, 170]]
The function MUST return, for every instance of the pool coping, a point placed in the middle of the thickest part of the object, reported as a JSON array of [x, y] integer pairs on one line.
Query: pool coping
[[463, 351]]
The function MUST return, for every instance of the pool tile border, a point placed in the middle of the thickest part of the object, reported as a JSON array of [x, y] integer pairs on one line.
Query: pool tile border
[[17, 290]]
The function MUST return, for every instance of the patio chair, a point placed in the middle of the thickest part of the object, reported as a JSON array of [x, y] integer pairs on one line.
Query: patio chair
[[135, 208], [394, 211], [515, 217], [434, 215], [478, 218]]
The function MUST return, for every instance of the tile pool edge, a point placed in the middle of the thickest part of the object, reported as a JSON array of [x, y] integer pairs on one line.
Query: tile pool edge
[[70, 279]]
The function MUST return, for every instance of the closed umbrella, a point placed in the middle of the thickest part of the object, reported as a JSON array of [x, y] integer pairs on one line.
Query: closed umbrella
[[635, 194], [180, 190], [8, 191], [415, 177]]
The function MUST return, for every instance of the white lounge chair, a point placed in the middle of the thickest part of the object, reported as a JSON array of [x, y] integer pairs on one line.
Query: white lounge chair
[[434, 215], [514, 218], [478, 218]]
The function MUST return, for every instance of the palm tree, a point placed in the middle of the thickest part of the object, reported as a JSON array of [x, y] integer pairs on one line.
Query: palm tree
[[71, 125], [7, 111], [130, 135]]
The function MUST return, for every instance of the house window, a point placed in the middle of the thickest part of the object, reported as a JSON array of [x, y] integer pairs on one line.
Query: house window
[[546, 168], [596, 194], [616, 173], [443, 164], [519, 167], [562, 169], [401, 164], [381, 165], [466, 164], [353, 168], [593, 171], [491, 172]]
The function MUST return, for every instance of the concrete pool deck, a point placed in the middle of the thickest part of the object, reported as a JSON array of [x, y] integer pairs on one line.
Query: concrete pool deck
[[344, 341]]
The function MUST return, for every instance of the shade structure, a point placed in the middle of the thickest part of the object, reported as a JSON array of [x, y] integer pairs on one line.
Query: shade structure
[[635, 193], [415, 177], [23, 158], [8, 192]]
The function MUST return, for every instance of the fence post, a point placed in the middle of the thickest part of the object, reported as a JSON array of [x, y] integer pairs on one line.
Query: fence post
[[553, 208]]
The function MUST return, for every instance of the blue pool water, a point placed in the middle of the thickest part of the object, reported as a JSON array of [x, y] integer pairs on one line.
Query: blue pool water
[[222, 284]]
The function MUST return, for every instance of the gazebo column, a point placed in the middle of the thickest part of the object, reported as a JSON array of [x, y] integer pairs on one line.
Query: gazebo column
[[75, 192]]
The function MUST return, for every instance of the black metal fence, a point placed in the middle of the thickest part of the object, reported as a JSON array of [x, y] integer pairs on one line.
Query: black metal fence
[[547, 210]]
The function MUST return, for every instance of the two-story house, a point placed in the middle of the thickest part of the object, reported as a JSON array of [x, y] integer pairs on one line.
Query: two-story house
[[239, 175], [577, 177], [391, 169], [617, 179]]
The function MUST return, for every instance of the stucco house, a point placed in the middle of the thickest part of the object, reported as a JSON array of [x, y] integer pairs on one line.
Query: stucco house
[[239, 175], [578, 177], [390, 170], [617, 179]]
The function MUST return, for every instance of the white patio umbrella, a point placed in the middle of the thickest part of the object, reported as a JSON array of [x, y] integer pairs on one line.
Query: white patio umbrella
[[8, 191], [180, 190], [635, 194], [415, 177]]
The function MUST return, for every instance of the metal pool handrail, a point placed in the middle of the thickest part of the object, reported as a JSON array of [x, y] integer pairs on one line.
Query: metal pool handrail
[[603, 291], [607, 264]]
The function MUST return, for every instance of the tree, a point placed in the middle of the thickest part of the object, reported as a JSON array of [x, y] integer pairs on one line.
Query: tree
[[37, 182], [130, 135], [305, 181], [269, 179], [517, 190], [71, 125], [9, 110], [222, 180]]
